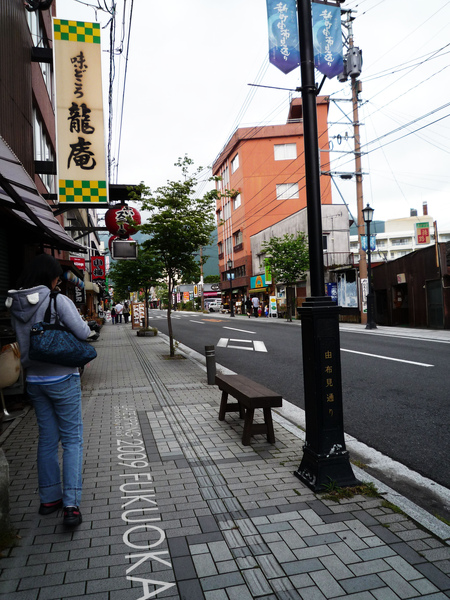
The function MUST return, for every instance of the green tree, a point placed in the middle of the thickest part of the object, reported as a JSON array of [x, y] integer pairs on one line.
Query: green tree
[[289, 261], [212, 279], [142, 273], [178, 225]]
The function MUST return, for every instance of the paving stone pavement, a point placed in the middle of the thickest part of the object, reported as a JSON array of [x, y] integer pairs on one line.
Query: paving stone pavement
[[174, 506]]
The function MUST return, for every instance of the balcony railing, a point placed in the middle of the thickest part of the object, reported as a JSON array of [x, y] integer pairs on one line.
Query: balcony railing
[[337, 259]]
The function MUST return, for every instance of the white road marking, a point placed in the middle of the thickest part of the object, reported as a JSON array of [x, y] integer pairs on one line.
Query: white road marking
[[201, 322], [257, 346], [260, 346], [241, 330], [240, 347], [409, 362]]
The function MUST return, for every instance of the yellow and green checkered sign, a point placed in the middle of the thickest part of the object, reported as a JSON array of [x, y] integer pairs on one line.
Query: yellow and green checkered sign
[[76, 31], [82, 191]]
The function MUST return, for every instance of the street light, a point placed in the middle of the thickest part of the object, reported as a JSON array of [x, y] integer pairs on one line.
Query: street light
[[230, 266], [368, 217]]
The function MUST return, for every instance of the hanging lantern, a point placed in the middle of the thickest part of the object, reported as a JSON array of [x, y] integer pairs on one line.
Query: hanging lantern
[[116, 220]]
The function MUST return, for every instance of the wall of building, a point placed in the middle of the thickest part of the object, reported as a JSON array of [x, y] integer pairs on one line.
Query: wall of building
[[15, 81], [255, 179], [335, 220], [406, 289]]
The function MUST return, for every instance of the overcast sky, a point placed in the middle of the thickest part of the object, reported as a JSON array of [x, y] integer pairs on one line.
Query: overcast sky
[[190, 63]]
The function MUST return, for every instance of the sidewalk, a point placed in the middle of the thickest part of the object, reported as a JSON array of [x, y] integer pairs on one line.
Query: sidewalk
[[174, 506]]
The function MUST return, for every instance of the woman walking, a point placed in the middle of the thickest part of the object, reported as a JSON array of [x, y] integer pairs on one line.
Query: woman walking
[[54, 390]]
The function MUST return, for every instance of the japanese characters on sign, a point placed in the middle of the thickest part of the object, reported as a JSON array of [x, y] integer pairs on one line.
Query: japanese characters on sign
[[329, 382], [327, 39], [284, 52], [81, 150], [423, 233], [98, 270]]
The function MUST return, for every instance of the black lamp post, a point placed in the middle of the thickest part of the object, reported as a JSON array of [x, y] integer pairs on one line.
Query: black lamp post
[[325, 457], [368, 217], [230, 266]]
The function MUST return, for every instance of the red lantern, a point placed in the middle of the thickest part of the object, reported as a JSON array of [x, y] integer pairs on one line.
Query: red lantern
[[116, 220]]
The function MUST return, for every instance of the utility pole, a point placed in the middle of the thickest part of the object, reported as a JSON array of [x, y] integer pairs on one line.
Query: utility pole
[[354, 56], [202, 298]]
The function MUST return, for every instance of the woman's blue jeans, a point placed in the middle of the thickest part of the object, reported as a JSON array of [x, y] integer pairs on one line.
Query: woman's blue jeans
[[58, 413]]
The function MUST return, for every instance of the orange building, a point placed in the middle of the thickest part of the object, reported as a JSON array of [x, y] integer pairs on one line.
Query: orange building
[[262, 171]]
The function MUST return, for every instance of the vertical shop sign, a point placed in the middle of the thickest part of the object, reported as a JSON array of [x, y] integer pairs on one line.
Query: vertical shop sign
[[98, 270], [80, 297], [80, 139], [284, 48], [423, 233], [327, 39]]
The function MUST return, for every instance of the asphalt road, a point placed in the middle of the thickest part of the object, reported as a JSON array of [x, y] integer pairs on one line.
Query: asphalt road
[[395, 391]]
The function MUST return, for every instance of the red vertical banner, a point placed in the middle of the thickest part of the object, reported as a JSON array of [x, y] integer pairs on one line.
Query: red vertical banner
[[98, 270]]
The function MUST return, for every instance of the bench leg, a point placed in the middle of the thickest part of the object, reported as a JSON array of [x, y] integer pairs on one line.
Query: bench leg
[[269, 425], [223, 406], [241, 411], [229, 407], [248, 423]]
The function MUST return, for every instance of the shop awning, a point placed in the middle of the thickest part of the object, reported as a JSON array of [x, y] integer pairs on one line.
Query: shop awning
[[257, 290], [20, 198], [92, 287]]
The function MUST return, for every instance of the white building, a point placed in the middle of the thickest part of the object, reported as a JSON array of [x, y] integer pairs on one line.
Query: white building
[[397, 237]]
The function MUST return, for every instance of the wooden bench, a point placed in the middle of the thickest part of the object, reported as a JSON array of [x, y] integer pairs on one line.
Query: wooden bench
[[249, 396]]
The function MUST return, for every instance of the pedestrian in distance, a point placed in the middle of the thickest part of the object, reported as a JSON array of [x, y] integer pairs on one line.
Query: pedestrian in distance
[[255, 303], [126, 311], [113, 315], [248, 307], [54, 390], [119, 311]]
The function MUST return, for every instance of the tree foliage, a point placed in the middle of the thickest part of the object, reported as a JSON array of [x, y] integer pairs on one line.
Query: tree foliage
[[288, 258], [142, 273], [179, 223], [212, 279]]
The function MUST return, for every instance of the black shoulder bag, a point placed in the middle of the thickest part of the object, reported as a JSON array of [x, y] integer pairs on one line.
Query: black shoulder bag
[[53, 343]]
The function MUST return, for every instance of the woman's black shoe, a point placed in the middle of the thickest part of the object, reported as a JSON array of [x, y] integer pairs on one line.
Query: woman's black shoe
[[72, 516], [49, 507]]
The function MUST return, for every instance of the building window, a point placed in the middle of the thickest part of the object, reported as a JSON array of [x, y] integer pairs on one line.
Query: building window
[[219, 217], [238, 238], [225, 178], [325, 242], [39, 39], [285, 151], [237, 201], [239, 272], [235, 163], [227, 211], [228, 245], [402, 242], [43, 150], [220, 247], [286, 191]]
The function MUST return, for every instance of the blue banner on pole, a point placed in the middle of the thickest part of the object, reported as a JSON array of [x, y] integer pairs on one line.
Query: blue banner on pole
[[373, 242], [284, 48], [327, 39]]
